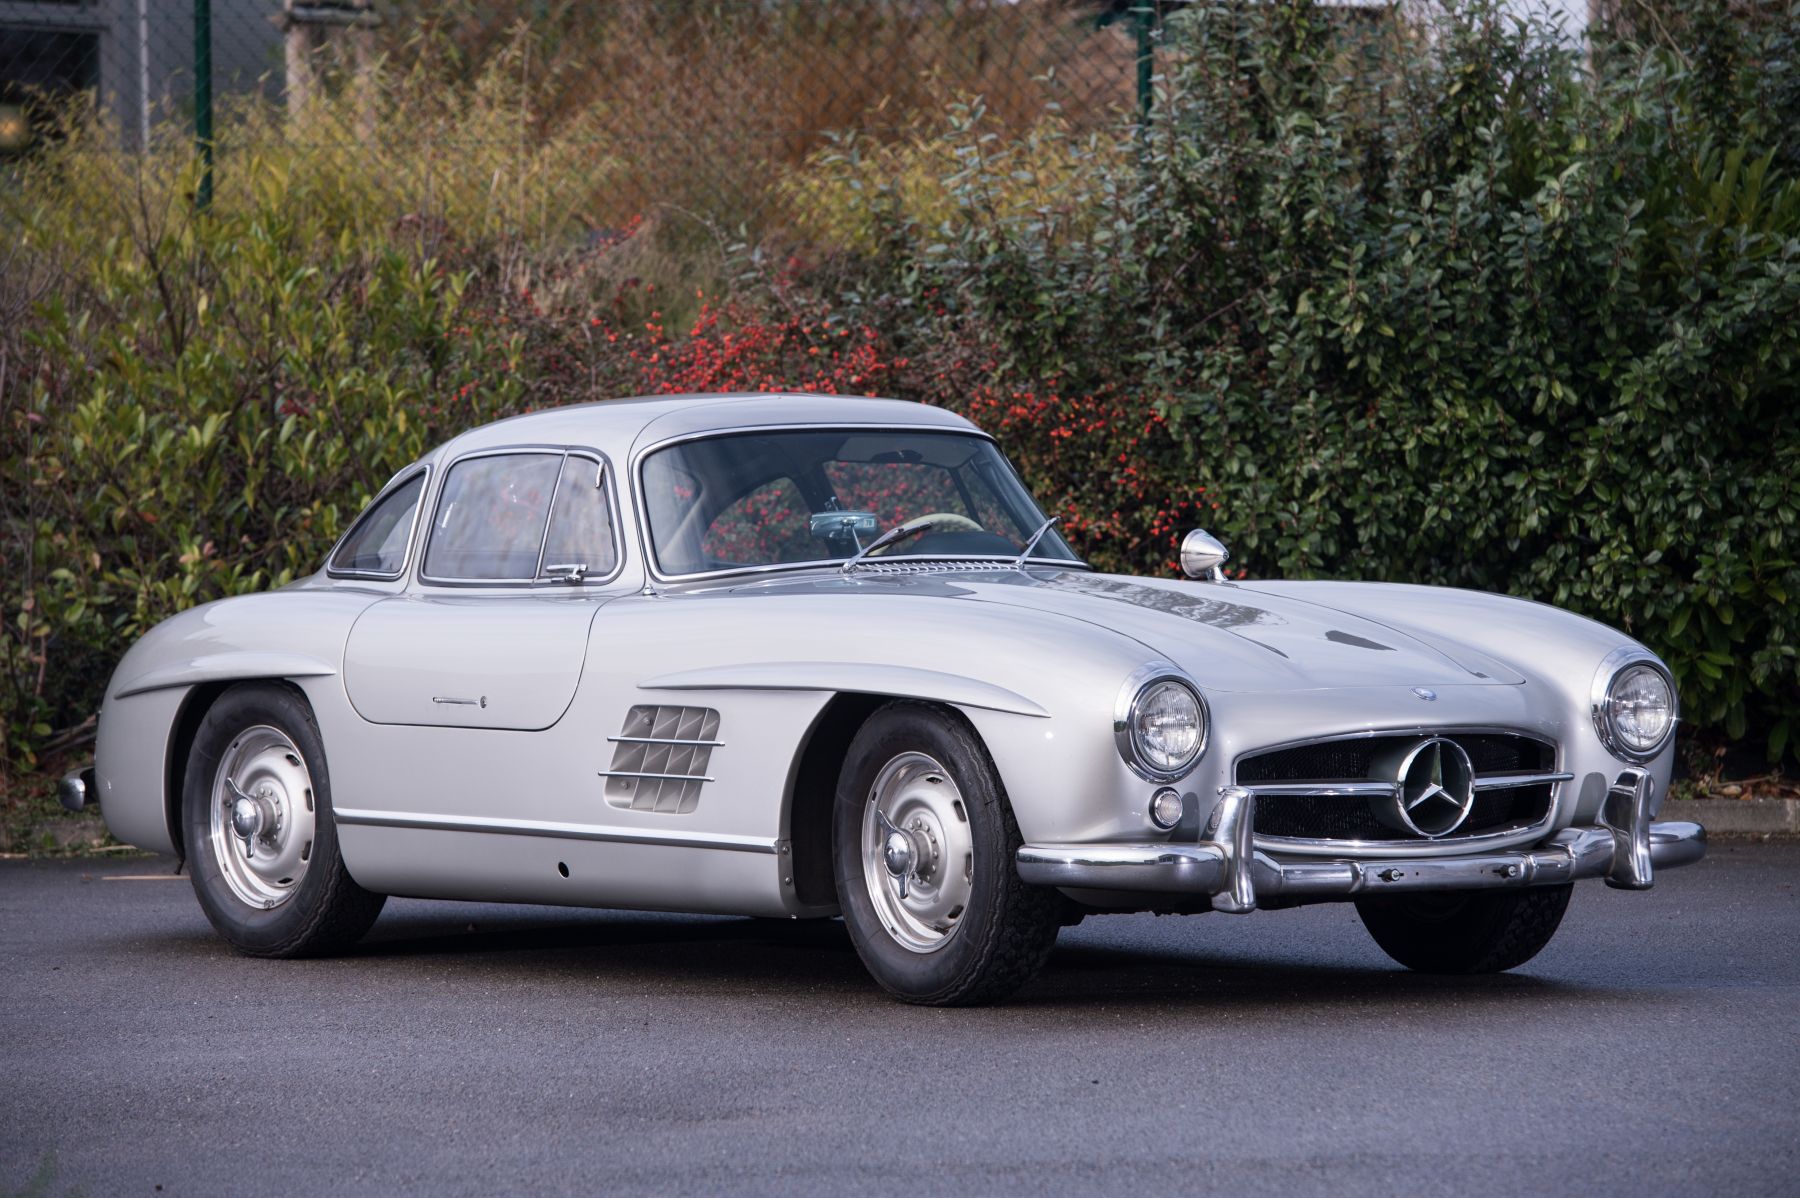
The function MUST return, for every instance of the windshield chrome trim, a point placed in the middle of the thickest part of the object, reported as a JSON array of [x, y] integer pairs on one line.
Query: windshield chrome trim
[[653, 568]]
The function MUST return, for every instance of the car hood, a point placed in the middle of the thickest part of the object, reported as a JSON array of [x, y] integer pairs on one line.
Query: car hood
[[1236, 638]]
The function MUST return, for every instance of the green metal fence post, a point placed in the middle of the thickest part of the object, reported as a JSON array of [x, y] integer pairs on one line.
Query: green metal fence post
[[203, 101], [1143, 19]]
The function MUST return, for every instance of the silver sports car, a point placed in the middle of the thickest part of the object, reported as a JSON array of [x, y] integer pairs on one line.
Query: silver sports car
[[794, 656]]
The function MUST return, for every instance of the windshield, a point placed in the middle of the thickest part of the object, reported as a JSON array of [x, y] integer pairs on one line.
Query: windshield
[[791, 497]]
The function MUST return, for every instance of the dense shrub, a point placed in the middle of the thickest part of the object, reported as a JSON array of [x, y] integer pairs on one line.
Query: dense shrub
[[1467, 309], [1443, 309], [202, 410]]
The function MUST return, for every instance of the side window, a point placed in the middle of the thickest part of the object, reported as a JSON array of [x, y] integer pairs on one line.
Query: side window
[[770, 524], [490, 518], [581, 531], [376, 546]]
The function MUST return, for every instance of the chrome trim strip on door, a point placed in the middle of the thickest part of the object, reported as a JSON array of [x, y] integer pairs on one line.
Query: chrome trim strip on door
[[556, 831]]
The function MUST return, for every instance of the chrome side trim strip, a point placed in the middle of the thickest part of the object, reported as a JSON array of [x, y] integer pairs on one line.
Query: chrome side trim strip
[[558, 831]]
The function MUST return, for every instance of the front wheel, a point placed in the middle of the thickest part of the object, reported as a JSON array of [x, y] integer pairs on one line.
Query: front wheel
[[256, 822], [1468, 932], [924, 846]]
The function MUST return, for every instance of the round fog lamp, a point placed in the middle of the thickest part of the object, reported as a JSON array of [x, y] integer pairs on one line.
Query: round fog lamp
[[1165, 808]]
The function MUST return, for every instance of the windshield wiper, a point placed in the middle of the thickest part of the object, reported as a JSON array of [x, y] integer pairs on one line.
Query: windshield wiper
[[899, 532], [1031, 542]]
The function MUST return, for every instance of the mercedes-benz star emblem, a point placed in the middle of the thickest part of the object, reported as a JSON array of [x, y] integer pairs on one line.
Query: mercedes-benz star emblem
[[1434, 788], [1425, 693]]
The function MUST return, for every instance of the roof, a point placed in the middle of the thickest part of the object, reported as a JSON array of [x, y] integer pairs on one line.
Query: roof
[[620, 427]]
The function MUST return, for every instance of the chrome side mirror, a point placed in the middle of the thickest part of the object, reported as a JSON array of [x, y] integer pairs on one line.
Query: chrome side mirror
[[1202, 554]]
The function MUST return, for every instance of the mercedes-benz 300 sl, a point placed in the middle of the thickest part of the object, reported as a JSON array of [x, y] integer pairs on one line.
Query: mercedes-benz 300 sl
[[801, 656]]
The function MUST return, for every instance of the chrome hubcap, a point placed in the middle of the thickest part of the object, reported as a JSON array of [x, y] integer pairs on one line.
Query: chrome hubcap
[[918, 852], [262, 816]]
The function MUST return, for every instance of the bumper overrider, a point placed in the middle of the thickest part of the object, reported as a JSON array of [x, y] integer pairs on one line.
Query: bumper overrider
[[1624, 848]]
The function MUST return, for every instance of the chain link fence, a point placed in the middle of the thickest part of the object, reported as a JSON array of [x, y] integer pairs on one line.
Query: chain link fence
[[551, 117]]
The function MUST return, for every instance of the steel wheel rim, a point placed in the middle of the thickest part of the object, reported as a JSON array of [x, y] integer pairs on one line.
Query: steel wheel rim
[[262, 787], [921, 906]]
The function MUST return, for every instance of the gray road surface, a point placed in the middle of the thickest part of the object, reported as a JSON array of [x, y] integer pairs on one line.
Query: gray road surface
[[1653, 1048]]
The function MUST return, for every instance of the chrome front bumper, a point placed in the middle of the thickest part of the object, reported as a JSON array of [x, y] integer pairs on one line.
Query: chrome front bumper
[[1625, 848]]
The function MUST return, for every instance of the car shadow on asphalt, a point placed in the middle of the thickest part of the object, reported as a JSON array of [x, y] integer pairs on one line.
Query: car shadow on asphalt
[[1083, 975], [814, 955]]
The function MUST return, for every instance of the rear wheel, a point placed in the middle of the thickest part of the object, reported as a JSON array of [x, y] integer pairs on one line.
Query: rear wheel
[[1465, 932], [924, 846], [256, 822]]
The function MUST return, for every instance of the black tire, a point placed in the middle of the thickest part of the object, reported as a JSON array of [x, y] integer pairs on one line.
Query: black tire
[[1005, 929], [324, 910], [1471, 932]]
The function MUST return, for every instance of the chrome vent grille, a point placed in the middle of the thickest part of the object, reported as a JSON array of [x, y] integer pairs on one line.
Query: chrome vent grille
[[660, 758], [1348, 765]]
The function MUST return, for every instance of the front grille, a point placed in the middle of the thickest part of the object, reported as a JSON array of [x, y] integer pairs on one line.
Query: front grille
[[1337, 817]]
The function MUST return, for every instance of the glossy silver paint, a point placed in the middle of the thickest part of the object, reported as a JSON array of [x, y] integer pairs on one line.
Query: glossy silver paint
[[470, 729]]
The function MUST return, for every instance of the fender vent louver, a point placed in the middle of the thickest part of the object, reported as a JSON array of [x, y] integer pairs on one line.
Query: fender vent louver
[[660, 758]]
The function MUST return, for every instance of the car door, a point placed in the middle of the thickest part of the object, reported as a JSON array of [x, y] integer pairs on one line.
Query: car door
[[520, 553]]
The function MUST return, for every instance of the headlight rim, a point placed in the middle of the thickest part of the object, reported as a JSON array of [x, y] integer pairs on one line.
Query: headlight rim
[[1125, 710], [1612, 668]]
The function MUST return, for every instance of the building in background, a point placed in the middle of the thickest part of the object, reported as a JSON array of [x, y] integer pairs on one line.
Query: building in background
[[135, 57]]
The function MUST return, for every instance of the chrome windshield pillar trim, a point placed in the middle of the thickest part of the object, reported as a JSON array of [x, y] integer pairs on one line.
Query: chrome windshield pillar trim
[[1236, 881], [1232, 828], [1626, 814]]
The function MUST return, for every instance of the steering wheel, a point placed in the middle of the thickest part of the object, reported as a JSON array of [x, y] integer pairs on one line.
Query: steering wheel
[[949, 522]]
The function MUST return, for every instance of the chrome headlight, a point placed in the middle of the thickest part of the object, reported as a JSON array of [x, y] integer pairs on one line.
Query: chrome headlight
[[1634, 705], [1160, 724]]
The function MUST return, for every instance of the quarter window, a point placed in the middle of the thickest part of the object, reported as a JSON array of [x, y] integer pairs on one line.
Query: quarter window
[[376, 546]]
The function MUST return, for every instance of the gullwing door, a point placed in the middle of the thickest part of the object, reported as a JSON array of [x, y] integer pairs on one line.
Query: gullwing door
[[496, 635]]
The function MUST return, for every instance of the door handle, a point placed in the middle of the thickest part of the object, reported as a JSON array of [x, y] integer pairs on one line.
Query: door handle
[[455, 702]]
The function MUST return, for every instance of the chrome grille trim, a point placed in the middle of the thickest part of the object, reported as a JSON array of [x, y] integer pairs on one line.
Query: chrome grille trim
[[1514, 781], [1517, 830]]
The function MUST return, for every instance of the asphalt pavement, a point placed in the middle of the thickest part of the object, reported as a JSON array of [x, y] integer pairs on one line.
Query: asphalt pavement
[[1653, 1048]]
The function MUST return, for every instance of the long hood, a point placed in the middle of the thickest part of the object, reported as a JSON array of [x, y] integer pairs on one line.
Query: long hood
[[1234, 638]]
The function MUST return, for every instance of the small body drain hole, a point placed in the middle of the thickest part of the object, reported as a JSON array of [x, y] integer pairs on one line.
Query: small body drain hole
[[562, 867]]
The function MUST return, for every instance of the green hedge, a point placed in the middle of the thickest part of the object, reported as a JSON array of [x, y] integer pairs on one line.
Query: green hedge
[[1468, 309], [1446, 310]]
